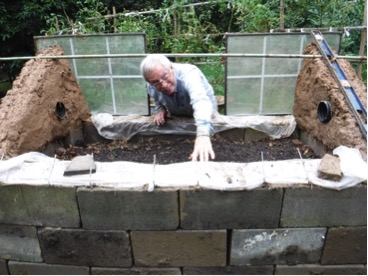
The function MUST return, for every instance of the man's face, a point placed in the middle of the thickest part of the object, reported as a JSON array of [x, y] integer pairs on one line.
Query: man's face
[[162, 79]]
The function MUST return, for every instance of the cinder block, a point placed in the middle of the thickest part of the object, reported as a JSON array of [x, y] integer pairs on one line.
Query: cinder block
[[134, 210], [318, 148], [277, 246], [85, 247], [345, 245], [229, 270], [90, 133], [23, 268], [316, 269], [3, 268], [179, 248], [19, 243], [135, 271], [209, 209], [252, 135], [235, 135], [41, 206], [314, 207]]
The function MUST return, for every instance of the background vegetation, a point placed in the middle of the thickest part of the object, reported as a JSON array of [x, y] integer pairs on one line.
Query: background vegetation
[[171, 26]]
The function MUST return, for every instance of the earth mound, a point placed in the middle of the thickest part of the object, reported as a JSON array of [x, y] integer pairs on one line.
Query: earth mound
[[44, 104], [316, 84]]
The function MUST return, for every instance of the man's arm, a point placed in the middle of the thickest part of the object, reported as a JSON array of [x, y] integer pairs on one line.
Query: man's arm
[[199, 90]]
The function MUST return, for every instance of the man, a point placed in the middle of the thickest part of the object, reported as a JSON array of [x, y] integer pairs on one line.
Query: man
[[182, 90]]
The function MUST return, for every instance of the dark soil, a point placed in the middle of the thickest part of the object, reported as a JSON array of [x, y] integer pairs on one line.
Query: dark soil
[[179, 149]]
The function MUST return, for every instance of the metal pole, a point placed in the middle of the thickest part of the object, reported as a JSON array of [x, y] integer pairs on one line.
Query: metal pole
[[353, 58]]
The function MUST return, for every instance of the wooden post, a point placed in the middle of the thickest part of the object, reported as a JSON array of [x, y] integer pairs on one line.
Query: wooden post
[[282, 14], [363, 40], [175, 19], [114, 18]]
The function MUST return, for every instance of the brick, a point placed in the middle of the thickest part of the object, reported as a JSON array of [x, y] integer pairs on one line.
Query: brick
[[135, 271], [329, 168], [3, 268], [345, 245], [316, 269], [24, 268], [314, 207], [229, 270], [85, 247], [210, 209], [25, 204], [133, 210], [276, 246], [179, 248], [19, 243]]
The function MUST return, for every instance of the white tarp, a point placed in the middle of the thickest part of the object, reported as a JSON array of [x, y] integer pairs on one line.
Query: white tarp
[[38, 169], [125, 127]]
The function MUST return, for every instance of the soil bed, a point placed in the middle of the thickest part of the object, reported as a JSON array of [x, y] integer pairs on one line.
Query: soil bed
[[178, 150]]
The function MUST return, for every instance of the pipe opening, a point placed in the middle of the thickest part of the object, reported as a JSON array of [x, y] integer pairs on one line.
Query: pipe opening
[[60, 110], [324, 111]]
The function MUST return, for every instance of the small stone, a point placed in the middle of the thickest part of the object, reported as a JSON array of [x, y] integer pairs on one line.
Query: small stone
[[330, 168], [61, 151], [81, 165]]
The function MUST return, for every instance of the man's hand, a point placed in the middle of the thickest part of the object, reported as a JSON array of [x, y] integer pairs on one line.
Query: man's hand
[[202, 149], [160, 117]]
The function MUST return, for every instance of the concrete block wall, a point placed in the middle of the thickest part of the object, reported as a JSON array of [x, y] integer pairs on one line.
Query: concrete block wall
[[91, 230]]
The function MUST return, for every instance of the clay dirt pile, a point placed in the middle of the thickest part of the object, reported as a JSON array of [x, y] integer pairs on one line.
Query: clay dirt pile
[[28, 117], [315, 84]]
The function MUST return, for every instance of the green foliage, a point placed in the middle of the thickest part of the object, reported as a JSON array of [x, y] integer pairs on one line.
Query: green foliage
[[176, 28]]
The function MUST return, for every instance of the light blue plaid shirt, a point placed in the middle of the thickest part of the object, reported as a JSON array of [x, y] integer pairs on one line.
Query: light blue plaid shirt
[[193, 96]]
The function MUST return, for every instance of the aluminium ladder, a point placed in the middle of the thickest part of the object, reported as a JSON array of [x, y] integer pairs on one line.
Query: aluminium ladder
[[356, 106]]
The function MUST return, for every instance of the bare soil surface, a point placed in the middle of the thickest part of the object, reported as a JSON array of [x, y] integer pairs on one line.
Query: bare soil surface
[[179, 149], [28, 121]]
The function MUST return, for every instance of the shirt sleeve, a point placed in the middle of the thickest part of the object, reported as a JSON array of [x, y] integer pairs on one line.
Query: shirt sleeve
[[158, 105], [199, 90]]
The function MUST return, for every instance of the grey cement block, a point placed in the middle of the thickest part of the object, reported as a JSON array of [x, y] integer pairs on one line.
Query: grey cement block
[[314, 207], [277, 246], [85, 247], [3, 268], [24, 268], [229, 270], [317, 146], [316, 269], [209, 209], [19, 243], [133, 210], [345, 245], [41, 206], [235, 135], [179, 248], [136, 271], [91, 134]]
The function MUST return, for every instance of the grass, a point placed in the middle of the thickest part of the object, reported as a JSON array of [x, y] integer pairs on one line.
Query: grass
[[4, 87]]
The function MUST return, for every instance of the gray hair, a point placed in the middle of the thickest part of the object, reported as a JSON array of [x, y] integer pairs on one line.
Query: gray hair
[[152, 61]]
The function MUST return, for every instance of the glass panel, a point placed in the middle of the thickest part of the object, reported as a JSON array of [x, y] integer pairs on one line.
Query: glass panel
[[246, 100], [278, 95], [91, 46], [265, 85], [98, 95], [112, 85], [130, 96]]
